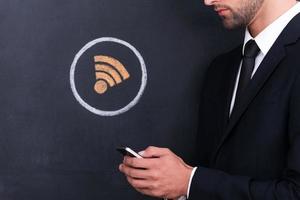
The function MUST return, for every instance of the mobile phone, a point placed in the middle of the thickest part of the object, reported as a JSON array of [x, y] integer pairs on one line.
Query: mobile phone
[[126, 151]]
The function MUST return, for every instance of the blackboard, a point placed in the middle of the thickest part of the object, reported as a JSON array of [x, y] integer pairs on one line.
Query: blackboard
[[51, 146]]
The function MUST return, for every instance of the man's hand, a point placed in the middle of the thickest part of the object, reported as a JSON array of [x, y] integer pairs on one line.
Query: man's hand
[[160, 174]]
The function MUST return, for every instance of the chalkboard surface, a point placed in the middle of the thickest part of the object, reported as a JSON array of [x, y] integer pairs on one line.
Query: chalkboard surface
[[52, 145]]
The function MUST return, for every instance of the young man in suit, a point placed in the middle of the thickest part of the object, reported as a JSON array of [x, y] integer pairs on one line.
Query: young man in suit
[[249, 127]]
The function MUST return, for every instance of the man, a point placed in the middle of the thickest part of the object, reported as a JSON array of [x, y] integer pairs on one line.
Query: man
[[249, 127]]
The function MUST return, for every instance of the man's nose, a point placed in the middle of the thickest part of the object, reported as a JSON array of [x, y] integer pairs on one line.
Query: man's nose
[[209, 2]]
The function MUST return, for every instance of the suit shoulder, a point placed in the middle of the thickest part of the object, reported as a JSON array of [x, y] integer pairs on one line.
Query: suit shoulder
[[223, 59], [229, 54]]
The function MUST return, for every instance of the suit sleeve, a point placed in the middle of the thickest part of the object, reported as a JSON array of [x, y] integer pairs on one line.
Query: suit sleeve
[[214, 184]]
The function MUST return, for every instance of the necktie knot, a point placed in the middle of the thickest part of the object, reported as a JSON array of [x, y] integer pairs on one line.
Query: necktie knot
[[251, 49]]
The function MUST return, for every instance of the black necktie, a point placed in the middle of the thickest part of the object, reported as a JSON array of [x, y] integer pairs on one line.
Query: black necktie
[[250, 53]]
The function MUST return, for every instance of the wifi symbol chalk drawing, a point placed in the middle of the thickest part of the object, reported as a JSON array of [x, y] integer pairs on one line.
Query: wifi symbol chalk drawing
[[109, 72]]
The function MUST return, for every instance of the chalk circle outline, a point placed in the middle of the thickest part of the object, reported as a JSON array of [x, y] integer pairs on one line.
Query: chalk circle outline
[[130, 104]]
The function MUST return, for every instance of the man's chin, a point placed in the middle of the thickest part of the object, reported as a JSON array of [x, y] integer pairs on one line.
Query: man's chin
[[229, 24]]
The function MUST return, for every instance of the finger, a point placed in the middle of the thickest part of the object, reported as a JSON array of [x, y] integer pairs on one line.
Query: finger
[[138, 183], [134, 172], [152, 152], [138, 163]]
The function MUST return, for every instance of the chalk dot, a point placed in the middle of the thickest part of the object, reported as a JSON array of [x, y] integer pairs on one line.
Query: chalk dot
[[100, 87]]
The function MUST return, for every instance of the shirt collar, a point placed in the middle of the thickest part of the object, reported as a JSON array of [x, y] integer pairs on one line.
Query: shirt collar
[[268, 36]]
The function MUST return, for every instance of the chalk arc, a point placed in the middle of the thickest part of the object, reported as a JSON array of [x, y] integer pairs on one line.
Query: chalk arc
[[113, 62], [106, 77], [109, 70]]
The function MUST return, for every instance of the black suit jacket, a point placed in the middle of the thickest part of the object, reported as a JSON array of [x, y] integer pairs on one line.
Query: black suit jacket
[[256, 153]]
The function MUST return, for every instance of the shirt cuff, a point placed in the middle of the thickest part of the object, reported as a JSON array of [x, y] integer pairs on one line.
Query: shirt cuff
[[190, 182]]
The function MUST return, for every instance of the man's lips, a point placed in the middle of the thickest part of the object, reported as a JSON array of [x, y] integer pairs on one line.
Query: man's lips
[[221, 11]]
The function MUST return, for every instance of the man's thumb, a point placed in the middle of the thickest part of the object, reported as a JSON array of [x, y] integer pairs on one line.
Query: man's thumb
[[152, 152]]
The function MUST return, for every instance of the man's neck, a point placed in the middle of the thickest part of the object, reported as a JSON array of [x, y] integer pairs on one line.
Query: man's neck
[[269, 12]]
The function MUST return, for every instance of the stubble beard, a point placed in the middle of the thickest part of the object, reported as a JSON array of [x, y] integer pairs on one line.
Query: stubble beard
[[243, 15]]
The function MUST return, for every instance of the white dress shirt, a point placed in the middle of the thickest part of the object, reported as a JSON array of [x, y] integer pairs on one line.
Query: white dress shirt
[[265, 41]]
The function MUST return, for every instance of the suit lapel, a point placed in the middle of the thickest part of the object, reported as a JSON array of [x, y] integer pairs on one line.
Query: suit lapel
[[234, 60], [265, 70], [233, 68]]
